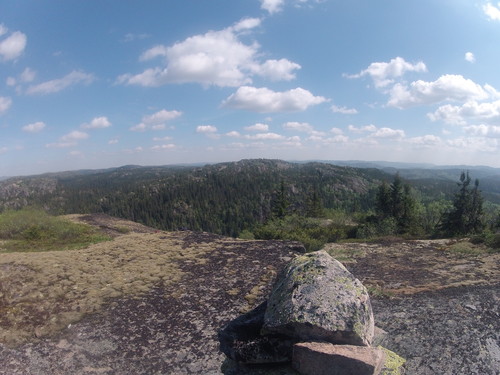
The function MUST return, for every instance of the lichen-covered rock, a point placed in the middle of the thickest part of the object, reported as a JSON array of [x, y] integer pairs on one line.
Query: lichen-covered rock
[[316, 298]]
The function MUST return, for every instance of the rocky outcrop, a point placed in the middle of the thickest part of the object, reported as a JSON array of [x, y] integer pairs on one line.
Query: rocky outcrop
[[313, 299], [317, 298]]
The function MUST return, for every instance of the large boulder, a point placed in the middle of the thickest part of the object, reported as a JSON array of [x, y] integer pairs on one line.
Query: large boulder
[[316, 298]]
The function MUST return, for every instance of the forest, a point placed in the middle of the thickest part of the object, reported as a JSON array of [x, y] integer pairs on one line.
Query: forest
[[312, 202]]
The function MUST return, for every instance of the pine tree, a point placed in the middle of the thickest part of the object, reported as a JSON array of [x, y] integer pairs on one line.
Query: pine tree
[[466, 215]]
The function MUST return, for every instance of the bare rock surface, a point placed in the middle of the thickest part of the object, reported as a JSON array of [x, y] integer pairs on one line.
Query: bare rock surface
[[316, 298], [164, 323]]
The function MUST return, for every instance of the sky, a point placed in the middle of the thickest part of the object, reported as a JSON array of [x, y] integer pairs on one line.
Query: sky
[[104, 83]]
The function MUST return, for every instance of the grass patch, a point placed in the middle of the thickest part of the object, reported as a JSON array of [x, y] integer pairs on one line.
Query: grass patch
[[465, 248], [33, 230]]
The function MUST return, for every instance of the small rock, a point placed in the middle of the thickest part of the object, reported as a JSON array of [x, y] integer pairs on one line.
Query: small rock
[[315, 358]]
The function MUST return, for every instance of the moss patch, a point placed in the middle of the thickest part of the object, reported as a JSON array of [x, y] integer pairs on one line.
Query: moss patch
[[393, 363]]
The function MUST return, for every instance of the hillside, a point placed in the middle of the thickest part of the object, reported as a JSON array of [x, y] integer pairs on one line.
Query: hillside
[[221, 198], [152, 301]]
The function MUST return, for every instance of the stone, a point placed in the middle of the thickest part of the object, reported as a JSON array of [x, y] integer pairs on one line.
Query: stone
[[241, 340], [315, 298], [320, 358]]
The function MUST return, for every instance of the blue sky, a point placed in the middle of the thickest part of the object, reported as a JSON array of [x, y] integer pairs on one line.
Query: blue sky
[[104, 83]]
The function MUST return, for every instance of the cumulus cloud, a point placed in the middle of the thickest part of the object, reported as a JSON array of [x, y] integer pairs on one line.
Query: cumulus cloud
[[5, 103], [384, 73], [426, 140], [168, 146], [12, 46], [363, 129], [206, 129], [469, 56], [449, 87], [298, 126], [388, 133], [56, 85], [75, 135], [257, 128], [233, 134], [35, 127], [482, 130], [492, 11], [277, 70], [488, 112], [343, 110], [97, 123], [265, 136], [264, 100], [156, 121], [272, 6], [218, 58]]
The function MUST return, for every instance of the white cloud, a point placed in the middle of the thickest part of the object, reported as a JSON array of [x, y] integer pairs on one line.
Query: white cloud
[[343, 110], [364, 129], [5, 104], [156, 121], [162, 139], [272, 6], [12, 46], [448, 87], [216, 58], [75, 135], [233, 134], [3, 30], [138, 128], [210, 129], [27, 75], [298, 126], [257, 128], [3, 150], [469, 56], [168, 146], [470, 111], [265, 100], [97, 123], [35, 127], [383, 73], [426, 140], [277, 70], [161, 117], [265, 136], [388, 133], [336, 131], [56, 85], [482, 130], [113, 141], [492, 11]]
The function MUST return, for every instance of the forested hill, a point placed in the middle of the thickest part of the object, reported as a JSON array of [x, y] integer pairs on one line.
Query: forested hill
[[221, 198]]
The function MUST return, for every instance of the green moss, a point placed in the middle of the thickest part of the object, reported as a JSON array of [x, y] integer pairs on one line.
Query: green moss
[[393, 363]]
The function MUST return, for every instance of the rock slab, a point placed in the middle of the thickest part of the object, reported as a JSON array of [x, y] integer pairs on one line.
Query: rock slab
[[319, 358], [315, 298]]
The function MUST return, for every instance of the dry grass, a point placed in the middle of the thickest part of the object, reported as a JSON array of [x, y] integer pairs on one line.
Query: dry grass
[[43, 292]]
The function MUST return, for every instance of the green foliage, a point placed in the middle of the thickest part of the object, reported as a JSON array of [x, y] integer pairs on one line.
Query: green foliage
[[313, 233], [395, 204], [34, 230], [465, 217]]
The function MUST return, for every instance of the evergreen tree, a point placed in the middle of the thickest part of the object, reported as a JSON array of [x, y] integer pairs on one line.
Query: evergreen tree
[[281, 203], [465, 217]]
